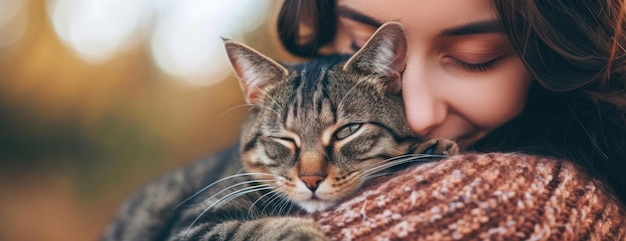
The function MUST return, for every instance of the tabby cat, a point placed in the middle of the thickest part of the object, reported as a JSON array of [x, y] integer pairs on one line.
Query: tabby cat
[[315, 135]]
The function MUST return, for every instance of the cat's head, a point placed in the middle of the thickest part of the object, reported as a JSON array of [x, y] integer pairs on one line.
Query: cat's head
[[323, 130]]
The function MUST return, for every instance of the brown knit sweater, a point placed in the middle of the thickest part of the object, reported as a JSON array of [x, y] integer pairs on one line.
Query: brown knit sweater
[[481, 197]]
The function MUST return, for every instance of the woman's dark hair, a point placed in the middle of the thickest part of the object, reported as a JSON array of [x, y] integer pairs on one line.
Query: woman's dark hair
[[575, 50], [576, 110], [305, 26]]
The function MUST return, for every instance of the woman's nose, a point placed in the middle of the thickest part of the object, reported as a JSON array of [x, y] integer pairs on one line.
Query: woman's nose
[[425, 107]]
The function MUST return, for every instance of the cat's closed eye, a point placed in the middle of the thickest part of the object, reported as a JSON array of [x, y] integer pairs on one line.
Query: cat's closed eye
[[278, 150]]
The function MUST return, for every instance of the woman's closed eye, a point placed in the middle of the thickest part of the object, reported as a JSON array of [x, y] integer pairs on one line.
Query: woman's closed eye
[[475, 53], [471, 67]]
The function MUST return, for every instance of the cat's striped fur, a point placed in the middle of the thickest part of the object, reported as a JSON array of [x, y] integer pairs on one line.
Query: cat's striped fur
[[316, 134]]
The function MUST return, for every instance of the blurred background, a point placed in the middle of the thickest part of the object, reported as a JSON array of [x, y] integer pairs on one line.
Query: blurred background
[[98, 97]]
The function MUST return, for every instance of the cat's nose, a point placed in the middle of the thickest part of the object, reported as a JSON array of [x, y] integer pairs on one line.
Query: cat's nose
[[312, 181]]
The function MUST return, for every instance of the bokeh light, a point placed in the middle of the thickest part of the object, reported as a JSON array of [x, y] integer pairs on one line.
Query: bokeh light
[[184, 36], [187, 38], [98, 29], [13, 21], [99, 97]]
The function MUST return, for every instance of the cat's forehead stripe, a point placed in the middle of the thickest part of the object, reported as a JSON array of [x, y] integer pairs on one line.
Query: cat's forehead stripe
[[310, 101]]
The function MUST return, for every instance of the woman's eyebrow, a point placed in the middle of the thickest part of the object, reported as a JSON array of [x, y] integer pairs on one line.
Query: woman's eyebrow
[[346, 12], [477, 27]]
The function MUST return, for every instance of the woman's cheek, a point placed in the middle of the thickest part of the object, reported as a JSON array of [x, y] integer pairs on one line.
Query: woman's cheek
[[489, 110], [498, 98]]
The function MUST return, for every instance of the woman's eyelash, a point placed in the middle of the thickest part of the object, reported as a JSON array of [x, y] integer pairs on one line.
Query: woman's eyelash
[[482, 67]]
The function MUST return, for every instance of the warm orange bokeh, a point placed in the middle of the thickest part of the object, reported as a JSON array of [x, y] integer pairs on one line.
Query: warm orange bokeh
[[76, 138]]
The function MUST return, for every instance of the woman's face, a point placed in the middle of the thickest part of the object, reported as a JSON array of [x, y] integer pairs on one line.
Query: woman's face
[[462, 77]]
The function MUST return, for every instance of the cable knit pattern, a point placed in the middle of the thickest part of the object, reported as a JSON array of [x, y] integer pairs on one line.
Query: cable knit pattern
[[481, 197]]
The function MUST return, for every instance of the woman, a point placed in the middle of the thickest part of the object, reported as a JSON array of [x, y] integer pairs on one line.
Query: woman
[[541, 77], [545, 78]]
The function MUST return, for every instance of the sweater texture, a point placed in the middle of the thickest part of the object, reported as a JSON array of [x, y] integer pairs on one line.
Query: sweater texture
[[496, 196]]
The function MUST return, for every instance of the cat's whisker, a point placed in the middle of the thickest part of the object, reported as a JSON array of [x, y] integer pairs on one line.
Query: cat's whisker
[[221, 180], [353, 87], [226, 189], [289, 208], [277, 196], [416, 156], [378, 175], [232, 74], [233, 108], [390, 165], [271, 199], [348, 93], [261, 198], [400, 161], [401, 157], [284, 204], [272, 98], [272, 110], [274, 198], [238, 193], [397, 162]]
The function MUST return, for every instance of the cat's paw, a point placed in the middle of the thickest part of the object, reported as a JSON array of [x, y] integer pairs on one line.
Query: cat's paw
[[438, 147]]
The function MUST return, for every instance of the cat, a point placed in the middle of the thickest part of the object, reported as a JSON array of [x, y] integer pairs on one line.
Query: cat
[[316, 134]]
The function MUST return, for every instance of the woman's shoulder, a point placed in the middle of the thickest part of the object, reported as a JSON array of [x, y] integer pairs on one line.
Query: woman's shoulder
[[482, 196]]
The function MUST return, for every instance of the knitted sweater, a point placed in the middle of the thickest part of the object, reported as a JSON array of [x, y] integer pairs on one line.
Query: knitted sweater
[[481, 197]]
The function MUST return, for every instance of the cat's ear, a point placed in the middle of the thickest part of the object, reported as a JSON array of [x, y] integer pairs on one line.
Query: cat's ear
[[255, 70], [384, 54]]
